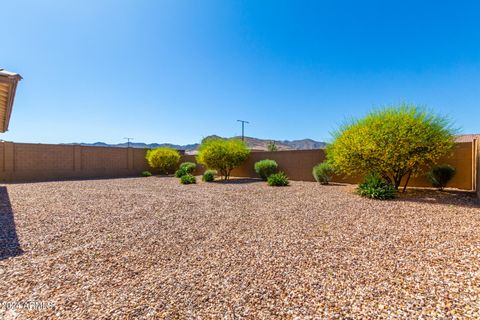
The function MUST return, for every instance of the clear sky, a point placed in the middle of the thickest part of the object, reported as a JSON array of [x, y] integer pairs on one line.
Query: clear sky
[[176, 71]]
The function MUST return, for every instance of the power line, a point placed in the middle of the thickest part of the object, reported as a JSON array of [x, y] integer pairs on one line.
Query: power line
[[128, 141]]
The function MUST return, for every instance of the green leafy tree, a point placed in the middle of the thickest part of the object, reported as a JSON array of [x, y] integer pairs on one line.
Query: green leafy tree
[[395, 142], [164, 159], [222, 155]]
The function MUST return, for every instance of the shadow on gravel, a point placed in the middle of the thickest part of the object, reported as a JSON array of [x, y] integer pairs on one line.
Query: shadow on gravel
[[239, 181], [9, 244], [446, 197], [331, 184]]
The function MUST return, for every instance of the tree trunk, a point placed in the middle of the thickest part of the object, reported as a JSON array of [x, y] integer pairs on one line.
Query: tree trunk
[[406, 182], [397, 180], [397, 184]]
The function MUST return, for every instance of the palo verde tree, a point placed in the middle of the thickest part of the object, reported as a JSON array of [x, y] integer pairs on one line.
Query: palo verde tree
[[222, 155], [395, 142]]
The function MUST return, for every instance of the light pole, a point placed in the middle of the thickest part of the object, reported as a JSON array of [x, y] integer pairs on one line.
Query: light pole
[[243, 128], [128, 141]]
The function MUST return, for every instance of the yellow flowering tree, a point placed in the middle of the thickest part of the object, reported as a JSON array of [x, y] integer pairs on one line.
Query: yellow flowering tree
[[395, 142]]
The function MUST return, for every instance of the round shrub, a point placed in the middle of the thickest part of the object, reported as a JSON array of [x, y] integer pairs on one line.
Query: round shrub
[[185, 168], [146, 174], [279, 179], [376, 188], [323, 172], [180, 173], [439, 176], [264, 168], [163, 159], [209, 175], [188, 179], [188, 167]]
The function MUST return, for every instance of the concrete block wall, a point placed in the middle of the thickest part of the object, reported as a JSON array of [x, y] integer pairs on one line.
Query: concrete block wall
[[477, 167], [24, 162]]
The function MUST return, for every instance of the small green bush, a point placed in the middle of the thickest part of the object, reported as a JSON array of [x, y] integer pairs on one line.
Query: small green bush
[[279, 179], [439, 176], [180, 173], [376, 188], [272, 146], [188, 179], [264, 168], [188, 167], [185, 168], [209, 175], [323, 172], [146, 174], [163, 159]]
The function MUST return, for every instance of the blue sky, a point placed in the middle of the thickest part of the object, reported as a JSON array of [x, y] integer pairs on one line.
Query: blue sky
[[176, 71]]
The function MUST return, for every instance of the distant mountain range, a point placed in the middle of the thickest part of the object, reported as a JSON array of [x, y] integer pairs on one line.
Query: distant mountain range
[[253, 143]]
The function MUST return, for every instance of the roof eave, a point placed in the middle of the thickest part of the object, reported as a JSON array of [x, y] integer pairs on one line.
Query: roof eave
[[11, 79]]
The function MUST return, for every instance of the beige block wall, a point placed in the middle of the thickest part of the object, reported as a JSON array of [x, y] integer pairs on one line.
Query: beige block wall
[[477, 167], [297, 164], [462, 159], [23, 162]]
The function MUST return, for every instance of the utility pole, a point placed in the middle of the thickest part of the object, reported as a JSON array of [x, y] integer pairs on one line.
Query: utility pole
[[243, 128], [128, 141]]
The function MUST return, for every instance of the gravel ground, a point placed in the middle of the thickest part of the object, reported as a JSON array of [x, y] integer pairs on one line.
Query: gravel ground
[[152, 248]]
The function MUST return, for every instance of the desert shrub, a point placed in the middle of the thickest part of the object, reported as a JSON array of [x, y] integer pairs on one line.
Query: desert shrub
[[188, 167], [323, 172], [396, 142], [375, 187], [146, 174], [439, 176], [180, 173], [163, 159], [188, 179], [272, 146], [209, 175], [264, 168], [222, 155], [185, 168], [279, 179]]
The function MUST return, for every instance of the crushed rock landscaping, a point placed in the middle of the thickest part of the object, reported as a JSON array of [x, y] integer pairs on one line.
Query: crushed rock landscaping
[[153, 248]]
